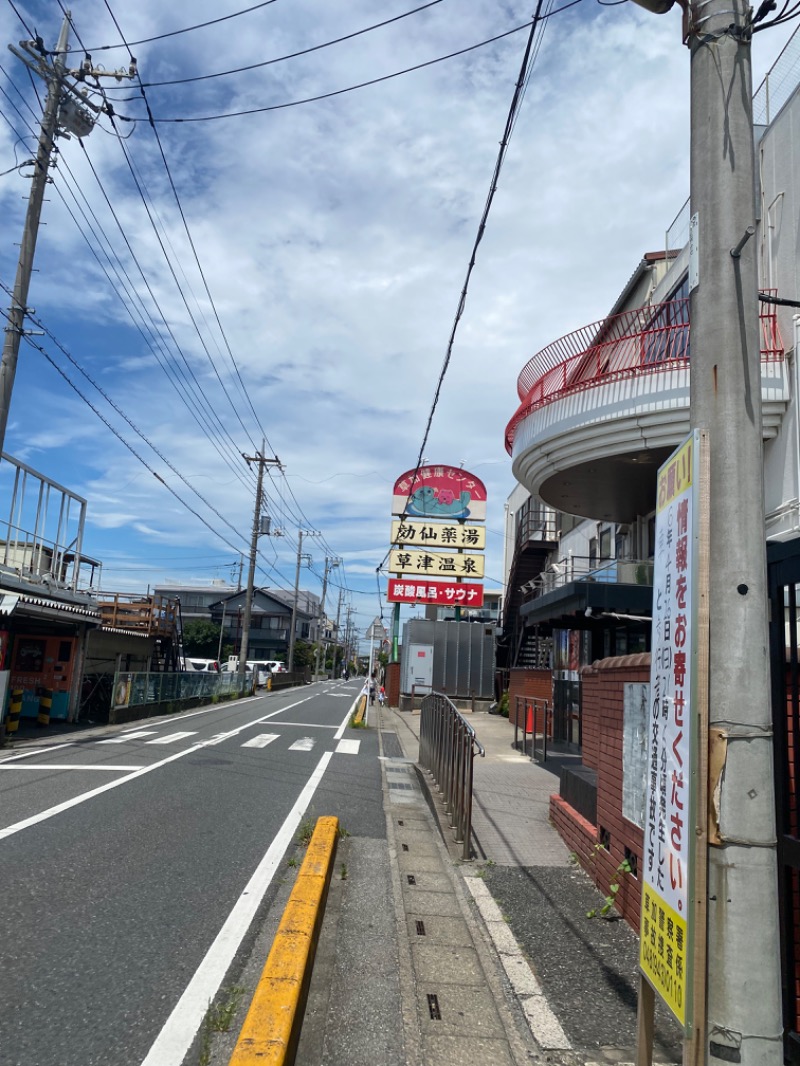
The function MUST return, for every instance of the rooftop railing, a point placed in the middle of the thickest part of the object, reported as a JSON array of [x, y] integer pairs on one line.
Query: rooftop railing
[[583, 568], [644, 340]]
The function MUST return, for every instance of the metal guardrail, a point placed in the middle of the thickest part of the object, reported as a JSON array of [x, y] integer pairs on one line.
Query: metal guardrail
[[447, 746], [532, 711], [136, 689]]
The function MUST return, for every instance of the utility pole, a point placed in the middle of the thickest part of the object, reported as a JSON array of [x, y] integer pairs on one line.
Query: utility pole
[[743, 1009], [251, 573], [302, 533], [336, 633], [744, 980], [64, 107], [330, 564]]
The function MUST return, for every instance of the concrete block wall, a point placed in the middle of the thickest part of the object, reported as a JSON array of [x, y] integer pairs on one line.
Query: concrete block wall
[[602, 711]]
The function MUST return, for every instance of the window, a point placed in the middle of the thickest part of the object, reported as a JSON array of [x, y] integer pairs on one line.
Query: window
[[593, 551], [605, 544]]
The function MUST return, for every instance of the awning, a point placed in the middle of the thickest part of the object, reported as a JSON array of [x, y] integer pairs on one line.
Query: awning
[[564, 606]]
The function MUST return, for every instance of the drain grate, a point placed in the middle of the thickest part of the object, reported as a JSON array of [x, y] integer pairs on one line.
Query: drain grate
[[433, 1007], [411, 879], [420, 927], [399, 784], [404, 847], [400, 821]]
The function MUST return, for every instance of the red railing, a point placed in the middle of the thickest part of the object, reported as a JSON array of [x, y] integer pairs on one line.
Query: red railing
[[645, 340]]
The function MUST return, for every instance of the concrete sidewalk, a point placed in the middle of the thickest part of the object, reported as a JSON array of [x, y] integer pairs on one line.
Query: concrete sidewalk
[[575, 978]]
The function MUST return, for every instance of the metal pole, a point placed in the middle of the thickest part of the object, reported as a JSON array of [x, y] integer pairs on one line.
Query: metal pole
[[19, 299], [251, 572], [744, 981]]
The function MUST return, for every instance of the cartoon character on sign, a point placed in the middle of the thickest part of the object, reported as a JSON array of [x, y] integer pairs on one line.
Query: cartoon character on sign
[[428, 503]]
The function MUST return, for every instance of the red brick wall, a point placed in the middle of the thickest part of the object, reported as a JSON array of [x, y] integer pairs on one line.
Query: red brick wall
[[535, 684], [602, 710]]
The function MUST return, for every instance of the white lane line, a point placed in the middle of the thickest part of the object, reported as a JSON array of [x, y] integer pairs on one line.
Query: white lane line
[[70, 766], [132, 736], [308, 725], [172, 737], [338, 734], [288, 707], [305, 744], [348, 747], [219, 737], [173, 1042], [542, 1022], [51, 812], [261, 740], [37, 751]]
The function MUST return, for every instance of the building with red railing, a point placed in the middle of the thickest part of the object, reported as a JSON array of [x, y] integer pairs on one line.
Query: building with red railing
[[597, 412]]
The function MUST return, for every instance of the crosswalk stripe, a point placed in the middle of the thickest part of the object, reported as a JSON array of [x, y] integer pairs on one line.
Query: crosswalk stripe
[[170, 738], [306, 744], [261, 740], [348, 747], [129, 736]]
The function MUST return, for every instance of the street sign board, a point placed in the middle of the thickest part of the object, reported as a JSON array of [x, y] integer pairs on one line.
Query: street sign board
[[435, 564], [442, 593], [429, 534], [447, 492]]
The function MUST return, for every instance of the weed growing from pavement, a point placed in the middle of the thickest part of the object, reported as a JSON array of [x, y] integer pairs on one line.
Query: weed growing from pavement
[[357, 724], [219, 1019], [343, 871], [305, 832], [608, 903], [292, 861], [481, 868]]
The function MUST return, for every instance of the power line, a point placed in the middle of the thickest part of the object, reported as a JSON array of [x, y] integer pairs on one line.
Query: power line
[[360, 85], [524, 74], [289, 55]]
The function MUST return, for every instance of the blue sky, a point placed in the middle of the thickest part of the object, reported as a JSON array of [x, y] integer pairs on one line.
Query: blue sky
[[333, 238]]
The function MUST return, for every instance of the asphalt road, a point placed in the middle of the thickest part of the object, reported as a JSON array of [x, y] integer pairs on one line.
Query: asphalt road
[[136, 863]]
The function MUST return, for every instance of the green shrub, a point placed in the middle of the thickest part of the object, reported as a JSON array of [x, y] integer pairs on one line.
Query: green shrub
[[503, 705]]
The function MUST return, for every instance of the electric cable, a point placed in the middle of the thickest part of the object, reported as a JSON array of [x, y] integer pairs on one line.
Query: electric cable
[[289, 55], [504, 142], [360, 85]]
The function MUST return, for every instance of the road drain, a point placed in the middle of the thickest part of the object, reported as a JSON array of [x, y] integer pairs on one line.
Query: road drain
[[433, 1007], [420, 928], [405, 847], [411, 879]]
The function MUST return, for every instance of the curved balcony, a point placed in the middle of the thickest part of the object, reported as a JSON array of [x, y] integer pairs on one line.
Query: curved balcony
[[604, 406]]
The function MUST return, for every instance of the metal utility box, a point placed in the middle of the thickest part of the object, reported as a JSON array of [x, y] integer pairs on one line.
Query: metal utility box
[[463, 657]]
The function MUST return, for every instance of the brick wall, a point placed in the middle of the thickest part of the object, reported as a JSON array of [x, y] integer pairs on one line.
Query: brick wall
[[602, 710], [535, 684]]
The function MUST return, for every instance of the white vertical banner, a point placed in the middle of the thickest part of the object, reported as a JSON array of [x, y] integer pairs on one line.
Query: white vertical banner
[[668, 859]]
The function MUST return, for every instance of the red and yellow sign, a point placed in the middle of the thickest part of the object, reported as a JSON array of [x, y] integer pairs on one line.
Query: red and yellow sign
[[441, 593], [446, 492]]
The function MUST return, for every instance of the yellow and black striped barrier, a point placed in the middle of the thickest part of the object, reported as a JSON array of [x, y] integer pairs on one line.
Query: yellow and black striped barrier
[[271, 1029], [45, 704], [14, 711]]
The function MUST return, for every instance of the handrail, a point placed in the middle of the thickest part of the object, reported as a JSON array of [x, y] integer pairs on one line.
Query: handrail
[[532, 708], [446, 749], [644, 340]]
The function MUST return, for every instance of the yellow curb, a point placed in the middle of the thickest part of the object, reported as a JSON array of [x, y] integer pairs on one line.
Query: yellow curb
[[362, 707], [272, 1027]]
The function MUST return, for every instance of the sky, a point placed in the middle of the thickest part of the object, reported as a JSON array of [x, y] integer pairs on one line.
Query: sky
[[295, 273]]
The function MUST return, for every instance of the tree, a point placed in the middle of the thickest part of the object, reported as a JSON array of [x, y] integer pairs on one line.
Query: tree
[[201, 638], [303, 655]]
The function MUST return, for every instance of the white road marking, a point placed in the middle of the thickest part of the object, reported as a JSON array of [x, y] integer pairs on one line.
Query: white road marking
[[348, 747], [305, 744], [132, 736], [170, 738], [174, 1040], [51, 812], [37, 751], [261, 740], [70, 766], [219, 737], [308, 725], [338, 734]]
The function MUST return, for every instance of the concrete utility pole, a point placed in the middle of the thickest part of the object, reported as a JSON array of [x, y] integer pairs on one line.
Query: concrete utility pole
[[64, 107], [251, 573], [330, 564], [743, 1010], [744, 980], [302, 533], [336, 633]]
